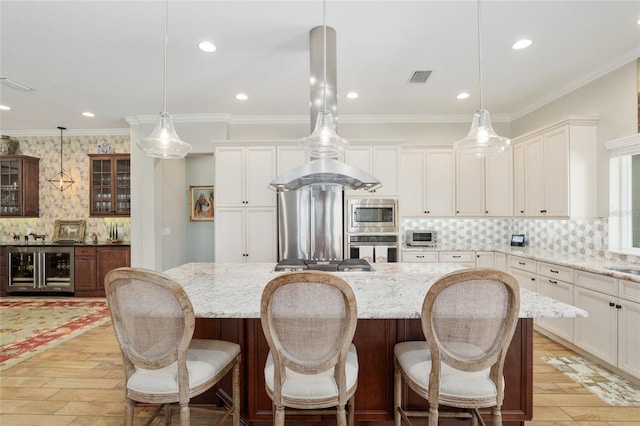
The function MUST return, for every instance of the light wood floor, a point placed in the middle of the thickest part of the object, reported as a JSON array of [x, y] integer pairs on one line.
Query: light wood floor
[[80, 383]]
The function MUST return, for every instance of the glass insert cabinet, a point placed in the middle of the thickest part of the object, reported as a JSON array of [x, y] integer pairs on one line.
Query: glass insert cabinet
[[19, 186], [110, 185]]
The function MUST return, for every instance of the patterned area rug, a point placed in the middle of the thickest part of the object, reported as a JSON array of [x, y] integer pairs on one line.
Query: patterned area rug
[[30, 326], [608, 386]]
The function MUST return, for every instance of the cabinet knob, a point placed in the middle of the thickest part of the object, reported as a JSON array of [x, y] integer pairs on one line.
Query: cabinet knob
[[427, 212], [457, 211], [533, 279], [543, 211], [618, 306], [486, 212], [521, 211], [612, 304]]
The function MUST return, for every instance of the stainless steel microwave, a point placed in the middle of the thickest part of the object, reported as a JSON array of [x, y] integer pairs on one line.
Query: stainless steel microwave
[[421, 238], [368, 215]]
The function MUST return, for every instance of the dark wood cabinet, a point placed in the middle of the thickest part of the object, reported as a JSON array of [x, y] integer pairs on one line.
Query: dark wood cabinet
[[19, 186], [92, 264], [3, 271], [109, 185]]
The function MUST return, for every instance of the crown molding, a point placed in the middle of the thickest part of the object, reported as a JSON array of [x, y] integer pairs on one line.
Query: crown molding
[[179, 118], [73, 132]]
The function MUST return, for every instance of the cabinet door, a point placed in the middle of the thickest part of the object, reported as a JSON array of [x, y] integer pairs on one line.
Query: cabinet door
[[413, 191], [534, 177], [519, 180], [360, 157], [260, 170], [85, 273], [30, 187], [562, 291], [556, 172], [500, 260], [110, 185], [499, 179], [122, 186], [469, 186], [110, 258], [229, 176], [261, 235], [385, 167], [597, 334], [289, 157], [230, 235], [525, 279], [485, 259], [441, 182], [628, 337]]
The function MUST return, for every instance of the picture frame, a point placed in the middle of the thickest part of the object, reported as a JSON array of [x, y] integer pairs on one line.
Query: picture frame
[[69, 231], [201, 202]]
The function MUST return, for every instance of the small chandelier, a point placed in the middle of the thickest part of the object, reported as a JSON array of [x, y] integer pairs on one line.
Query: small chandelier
[[164, 142], [482, 140], [62, 180], [324, 141]]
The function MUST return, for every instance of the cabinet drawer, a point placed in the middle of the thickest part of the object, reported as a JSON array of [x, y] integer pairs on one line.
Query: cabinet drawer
[[420, 256], [523, 263], [457, 257], [601, 283], [629, 290], [85, 251], [555, 272]]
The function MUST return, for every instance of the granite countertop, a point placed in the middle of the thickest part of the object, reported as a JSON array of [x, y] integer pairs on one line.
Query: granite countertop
[[36, 244], [394, 291], [593, 264]]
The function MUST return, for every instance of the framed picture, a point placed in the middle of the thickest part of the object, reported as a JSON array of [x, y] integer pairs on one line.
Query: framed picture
[[200, 203], [69, 230]]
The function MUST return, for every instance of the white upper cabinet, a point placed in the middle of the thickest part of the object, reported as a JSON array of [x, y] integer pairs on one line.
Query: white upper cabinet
[[498, 192], [427, 182], [290, 157], [243, 174], [470, 184], [379, 161], [560, 170], [518, 180]]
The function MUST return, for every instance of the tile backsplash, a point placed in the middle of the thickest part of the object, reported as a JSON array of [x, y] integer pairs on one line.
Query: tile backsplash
[[567, 236], [73, 203]]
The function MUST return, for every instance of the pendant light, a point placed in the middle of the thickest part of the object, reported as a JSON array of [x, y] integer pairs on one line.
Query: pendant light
[[482, 140], [324, 142], [163, 142], [61, 181]]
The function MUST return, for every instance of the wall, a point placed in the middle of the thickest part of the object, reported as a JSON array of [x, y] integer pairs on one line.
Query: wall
[[73, 203], [199, 247]]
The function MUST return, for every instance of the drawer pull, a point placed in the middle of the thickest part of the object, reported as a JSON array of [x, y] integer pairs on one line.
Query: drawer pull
[[522, 263], [551, 270], [420, 257], [553, 282], [533, 279], [456, 256]]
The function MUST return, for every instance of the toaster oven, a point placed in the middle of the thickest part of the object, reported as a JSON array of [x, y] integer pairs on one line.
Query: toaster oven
[[421, 238]]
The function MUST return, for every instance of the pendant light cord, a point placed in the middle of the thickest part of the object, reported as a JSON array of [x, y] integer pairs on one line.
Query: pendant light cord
[[166, 42], [61, 129], [479, 56]]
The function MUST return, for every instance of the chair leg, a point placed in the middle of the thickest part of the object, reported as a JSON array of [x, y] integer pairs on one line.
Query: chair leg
[[278, 419], [496, 416], [397, 396], [352, 411], [236, 393], [342, 416], [184, 415], [433, 415], [167, 414], [129, 404]]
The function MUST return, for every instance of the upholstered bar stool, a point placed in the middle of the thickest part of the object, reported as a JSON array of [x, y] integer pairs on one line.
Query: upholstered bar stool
[[154, 322], [468, 319], [309, 319]]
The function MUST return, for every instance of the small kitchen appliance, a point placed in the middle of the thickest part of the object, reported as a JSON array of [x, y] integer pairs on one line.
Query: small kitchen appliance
[[421, 238]]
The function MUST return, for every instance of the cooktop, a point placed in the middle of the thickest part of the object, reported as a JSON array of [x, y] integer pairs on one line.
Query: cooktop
[[346, 265]]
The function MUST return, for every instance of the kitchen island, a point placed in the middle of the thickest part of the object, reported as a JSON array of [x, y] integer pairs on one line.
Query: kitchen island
[[226, 300]]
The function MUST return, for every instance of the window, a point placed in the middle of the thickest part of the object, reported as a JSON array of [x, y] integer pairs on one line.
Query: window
[[624, 195]]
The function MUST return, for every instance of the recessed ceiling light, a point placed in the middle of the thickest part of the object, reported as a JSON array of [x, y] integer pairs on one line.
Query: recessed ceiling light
[[88, 114], [241, 97], [5, 108], [352, 95], [521, 44], [207, 46], [463, 95]]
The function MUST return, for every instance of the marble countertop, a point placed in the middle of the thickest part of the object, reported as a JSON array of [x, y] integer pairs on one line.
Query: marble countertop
[[36, 244], [394, 291], [584, 263]]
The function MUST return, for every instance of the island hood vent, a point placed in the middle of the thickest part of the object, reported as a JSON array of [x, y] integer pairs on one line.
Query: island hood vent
[[324, 170]]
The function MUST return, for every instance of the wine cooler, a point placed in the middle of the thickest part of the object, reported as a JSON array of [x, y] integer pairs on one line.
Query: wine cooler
[[40, 269]]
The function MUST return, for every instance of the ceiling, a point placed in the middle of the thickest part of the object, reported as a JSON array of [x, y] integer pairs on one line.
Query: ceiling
[[107, 57]]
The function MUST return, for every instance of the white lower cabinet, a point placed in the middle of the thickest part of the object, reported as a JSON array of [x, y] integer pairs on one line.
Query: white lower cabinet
[[464, 258], [628, 321], [500, 261], [420, 256], [563, 292], [524, 270], [245, 234], [485, 259], [597, 334]]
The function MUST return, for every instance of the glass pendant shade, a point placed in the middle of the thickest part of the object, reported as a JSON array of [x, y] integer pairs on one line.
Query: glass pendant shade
[[61, 181], [164, 142], [482, 140], [324, 142]]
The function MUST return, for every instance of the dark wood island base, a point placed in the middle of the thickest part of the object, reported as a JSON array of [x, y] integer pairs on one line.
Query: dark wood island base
[[374, 340]]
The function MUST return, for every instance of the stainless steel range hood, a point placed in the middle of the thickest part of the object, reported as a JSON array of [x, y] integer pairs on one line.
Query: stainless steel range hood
[[323, 97], [325, 171]]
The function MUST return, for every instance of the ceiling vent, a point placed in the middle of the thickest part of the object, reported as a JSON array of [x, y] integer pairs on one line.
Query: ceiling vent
[[419, 77]]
